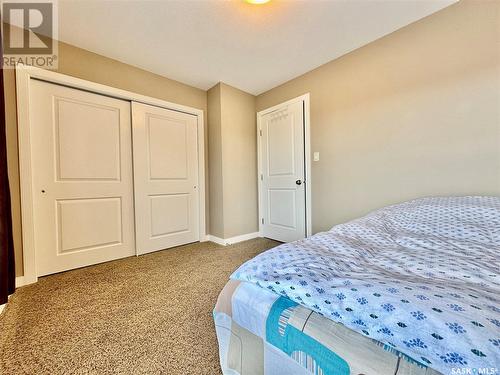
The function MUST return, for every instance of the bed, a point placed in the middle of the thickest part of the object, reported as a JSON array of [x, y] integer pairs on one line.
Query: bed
[[409, 289]]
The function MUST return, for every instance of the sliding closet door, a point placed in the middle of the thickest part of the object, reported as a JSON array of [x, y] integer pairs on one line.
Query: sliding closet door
[[165, 178], [82, 177]]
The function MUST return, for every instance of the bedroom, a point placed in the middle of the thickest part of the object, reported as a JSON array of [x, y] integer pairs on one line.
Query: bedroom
[[389, 103]]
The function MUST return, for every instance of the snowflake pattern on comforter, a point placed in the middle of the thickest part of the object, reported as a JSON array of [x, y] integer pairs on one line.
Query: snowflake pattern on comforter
[[421, 276]]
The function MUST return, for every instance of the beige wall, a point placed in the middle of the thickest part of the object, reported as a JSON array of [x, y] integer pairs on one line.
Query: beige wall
[[233, 162], [216, 217], [239, 162], [414, 114], [90, 66]]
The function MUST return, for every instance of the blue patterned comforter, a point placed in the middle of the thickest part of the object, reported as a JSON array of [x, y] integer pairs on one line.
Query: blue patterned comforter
[[421, 276]]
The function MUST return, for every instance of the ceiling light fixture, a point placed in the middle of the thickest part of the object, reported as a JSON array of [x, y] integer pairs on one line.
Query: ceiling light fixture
[[257, 2]]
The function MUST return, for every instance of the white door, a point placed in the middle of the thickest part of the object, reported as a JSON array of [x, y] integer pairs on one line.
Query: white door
[[283, 197], [165, 177], [82, 177]]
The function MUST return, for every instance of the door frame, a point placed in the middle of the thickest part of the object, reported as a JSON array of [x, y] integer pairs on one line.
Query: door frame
[[24, 74], [305, 99]]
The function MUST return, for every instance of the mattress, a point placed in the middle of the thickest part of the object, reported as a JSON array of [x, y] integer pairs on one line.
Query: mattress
[[420, 277], [260, 332]]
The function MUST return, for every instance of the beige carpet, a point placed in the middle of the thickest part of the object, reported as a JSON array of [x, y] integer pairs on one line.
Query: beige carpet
[[143, 315]]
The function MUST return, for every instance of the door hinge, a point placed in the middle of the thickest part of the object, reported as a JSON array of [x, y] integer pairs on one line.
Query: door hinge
[[260, 132], [262, 220], [261, 177]]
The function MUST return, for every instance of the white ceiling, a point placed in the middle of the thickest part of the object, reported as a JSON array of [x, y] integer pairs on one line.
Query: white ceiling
[[253, 48]]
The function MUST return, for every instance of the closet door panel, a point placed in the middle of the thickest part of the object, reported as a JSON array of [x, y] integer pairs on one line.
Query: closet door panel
[[82, 177], [165, 177]]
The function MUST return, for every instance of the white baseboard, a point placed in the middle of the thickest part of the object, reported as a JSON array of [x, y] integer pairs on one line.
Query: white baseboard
[[20, 281], [233, 240]]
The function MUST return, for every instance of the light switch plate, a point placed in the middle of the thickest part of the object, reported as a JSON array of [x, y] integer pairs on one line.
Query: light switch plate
[[316, 156]]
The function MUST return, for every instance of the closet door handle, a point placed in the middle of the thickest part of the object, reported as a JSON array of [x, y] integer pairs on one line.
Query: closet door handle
[[298, 182]]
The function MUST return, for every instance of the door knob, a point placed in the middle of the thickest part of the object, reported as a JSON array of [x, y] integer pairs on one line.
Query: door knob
[[298, 182]]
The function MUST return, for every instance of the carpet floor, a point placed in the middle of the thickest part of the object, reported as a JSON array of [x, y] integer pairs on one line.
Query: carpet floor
[[141, 315]]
